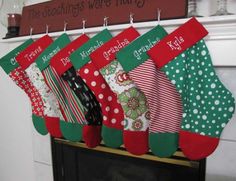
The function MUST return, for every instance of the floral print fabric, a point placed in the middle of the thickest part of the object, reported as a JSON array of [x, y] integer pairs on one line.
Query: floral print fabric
[[132, 100]]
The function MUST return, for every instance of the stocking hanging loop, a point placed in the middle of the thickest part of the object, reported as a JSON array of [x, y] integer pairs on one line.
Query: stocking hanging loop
[[84, 25], [31, 31], [47, 27], [158, 16], [65, 26], [131, 18], [105, 21]]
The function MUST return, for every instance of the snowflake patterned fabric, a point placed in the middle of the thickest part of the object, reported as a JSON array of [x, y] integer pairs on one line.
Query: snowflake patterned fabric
[[19, 76], [207, 104], [21, 79]]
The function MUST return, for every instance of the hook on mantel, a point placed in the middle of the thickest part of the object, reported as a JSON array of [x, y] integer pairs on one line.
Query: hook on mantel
[[65, 26], [31, 31], [105, 21]]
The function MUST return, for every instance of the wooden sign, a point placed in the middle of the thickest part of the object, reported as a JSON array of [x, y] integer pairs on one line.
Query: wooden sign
[[55, 13]]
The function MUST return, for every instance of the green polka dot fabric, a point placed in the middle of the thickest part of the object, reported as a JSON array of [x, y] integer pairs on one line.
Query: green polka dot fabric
[[208, 105]]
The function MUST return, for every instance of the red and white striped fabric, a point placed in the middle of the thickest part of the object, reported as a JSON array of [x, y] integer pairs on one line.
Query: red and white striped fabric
[[70, 104], [163, 99]]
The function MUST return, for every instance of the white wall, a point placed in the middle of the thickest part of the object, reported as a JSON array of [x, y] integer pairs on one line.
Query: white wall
[[221, 165], [25, 155], [16, 151]]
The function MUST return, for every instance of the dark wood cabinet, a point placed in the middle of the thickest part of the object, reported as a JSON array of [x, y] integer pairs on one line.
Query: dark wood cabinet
[[76, 162]]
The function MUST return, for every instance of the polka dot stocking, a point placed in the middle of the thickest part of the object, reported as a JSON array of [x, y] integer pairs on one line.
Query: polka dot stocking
[[132, 100], [207, 104], [113, 116]]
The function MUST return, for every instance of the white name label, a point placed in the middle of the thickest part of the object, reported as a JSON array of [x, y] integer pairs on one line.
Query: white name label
[[46, 58], [85, 54], [115, 48], [29, 56], [176, 43], [143, 49]]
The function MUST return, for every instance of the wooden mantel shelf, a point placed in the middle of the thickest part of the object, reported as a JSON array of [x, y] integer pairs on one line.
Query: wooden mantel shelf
[[221, 39], [219, 27], [177, 159]]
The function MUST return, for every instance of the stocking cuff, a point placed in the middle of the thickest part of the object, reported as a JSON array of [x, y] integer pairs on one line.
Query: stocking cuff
[[44, 59], [81, 56], [135, 53], [31, 53], [107, 52], [8, 62], [177, 42], [61, 61]]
